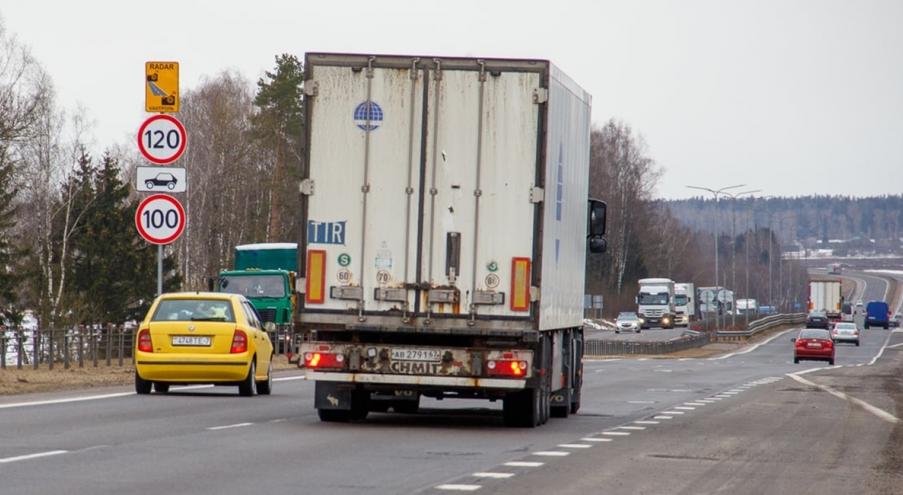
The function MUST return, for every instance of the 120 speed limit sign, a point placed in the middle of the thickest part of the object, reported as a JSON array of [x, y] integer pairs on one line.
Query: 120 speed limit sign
[[160, 219], [161, 139]]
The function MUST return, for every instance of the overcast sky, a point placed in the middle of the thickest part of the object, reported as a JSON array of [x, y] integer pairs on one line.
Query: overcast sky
[[792, 97]]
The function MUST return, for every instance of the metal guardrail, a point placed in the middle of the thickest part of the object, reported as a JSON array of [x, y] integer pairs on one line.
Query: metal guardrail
[[759, 326], [690, 340]]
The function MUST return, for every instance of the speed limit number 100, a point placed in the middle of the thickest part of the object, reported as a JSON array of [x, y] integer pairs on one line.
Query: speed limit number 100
[[160, 219], [161, 139]]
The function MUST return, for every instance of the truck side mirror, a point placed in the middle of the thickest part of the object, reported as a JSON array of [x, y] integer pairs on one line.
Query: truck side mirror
[[597, 216], [209, 284], [598, 245]]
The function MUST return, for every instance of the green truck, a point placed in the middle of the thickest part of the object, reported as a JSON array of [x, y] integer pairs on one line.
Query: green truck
[[265, 274]]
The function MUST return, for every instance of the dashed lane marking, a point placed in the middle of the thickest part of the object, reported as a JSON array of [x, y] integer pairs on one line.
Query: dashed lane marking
[[685, 408], [706, 401], [634, 428], [574, 445], [594, 439], [459, 488], [226, 427], [646, 422], [32, 456], [877, 411], [673, 412], [551, 453], [616, 433], [523, 464], [696, 404], [493, 475], [662, 417], [289, 378]]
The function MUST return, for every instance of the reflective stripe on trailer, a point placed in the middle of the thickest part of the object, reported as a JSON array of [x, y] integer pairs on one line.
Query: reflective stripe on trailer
[[447, 381]]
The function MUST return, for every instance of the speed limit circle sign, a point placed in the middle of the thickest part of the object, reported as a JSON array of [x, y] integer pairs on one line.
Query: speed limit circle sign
[[160, 219], [161, 139]]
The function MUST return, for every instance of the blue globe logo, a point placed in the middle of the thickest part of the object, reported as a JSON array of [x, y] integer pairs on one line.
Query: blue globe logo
[[368, 115]]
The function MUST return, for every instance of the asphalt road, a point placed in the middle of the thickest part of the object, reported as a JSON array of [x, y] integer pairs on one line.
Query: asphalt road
[[737, 422]]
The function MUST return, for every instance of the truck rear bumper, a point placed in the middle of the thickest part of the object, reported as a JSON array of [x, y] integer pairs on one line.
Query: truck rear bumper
[[441, 381]]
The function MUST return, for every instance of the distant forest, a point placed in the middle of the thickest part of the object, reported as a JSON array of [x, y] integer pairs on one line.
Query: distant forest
[[872, 224]]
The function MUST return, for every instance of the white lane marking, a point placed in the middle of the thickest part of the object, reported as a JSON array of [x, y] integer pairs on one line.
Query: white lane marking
[[616, 433], [65, 401], [662, 371], [681, 390], [754, 347], [641, 402], [551, 453], [686, 359], [493, 475], [810, 370], [574, 445], [635, 428], [32, 456], [685, 408], [881, 413], [226, 427], [289, 378], [280, 420], [594, 439], [673, 412], [696, 404], [523, 464], [716, 398], [880, 352], [706, 401], [661, 417], [459, 488], [892, 346], [645, 422]]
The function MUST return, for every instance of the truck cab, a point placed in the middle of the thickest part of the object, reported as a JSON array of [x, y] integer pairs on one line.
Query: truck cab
[[655, 302], [684, 304], [265, 274]]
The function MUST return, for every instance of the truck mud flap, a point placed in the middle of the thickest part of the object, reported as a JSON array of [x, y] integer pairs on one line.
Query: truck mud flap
[[333, 396]]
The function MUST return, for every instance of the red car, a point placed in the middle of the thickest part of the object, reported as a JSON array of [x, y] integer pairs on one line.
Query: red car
[[815, 344]]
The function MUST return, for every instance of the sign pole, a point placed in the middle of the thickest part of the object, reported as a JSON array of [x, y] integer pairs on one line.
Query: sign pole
[[159, 269]]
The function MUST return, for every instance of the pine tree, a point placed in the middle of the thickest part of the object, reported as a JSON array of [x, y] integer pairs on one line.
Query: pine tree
[[279, 126], [8, 253]]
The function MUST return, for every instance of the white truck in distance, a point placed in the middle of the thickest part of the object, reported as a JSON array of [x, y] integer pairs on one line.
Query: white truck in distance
[[747, 306], [655, 302], [684, 304], [448, 220], [827, 296]]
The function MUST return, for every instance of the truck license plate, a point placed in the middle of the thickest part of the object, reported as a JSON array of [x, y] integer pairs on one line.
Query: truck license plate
[[430, 355], [191, 340]]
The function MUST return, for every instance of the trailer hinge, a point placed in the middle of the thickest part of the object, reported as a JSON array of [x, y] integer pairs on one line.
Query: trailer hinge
[[540, 95], [311, 88], [307, 187], [537, 195], [534, 293]]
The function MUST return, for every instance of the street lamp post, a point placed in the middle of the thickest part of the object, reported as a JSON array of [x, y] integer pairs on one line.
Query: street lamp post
[[715, 193], [734, 255]]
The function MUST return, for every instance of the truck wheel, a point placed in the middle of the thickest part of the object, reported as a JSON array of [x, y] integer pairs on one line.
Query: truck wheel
[[575, 406]]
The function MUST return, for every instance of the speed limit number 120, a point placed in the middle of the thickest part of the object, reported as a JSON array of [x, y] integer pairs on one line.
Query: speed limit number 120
[[160, 219], [161, 139]]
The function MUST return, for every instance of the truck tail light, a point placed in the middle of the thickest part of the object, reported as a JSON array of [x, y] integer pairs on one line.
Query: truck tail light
[[520, 284], [323, 360], [145, 344], [506, 367], [239, 342]]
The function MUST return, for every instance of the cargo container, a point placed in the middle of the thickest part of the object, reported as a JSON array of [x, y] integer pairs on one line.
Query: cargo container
[[827, 296], [448, 220]]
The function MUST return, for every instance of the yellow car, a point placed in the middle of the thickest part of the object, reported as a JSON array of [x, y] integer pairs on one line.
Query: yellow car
[[203, 337]]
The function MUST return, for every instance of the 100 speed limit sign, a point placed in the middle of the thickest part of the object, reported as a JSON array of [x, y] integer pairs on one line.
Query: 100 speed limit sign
[[160, 219], [161, 139]]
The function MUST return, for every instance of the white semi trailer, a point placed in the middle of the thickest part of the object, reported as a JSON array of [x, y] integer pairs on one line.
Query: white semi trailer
[[447, 213]]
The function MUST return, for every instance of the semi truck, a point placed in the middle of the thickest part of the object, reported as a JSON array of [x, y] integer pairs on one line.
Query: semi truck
[[827, 296], [655, 302], [684, 303], [448, 219], [265, 274], [747, 306]]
